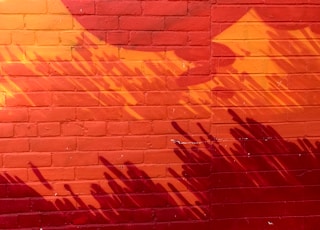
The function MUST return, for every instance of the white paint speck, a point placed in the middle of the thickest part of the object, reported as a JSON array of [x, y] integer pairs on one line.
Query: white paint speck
[[270, 223]]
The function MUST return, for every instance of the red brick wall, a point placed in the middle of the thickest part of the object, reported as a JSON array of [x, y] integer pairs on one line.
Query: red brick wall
[[132, 114]]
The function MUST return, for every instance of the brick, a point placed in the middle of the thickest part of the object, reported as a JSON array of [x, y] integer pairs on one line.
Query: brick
[[21, 190], [13, 175], [199, 8], [70, 37], [117, 127], [95, 128], [85, 84], [266, 210], [53, 219], [88, 38], [29, 220], [167, 98], [185, 225], [99, 113], [81, 218], [12, 53], [179, 112], [136, 142], [72, 129], [69, 159], [14, 115], [25, 69], [99, 143], [75, 99], [304, 81], [79, 187], [48, 22], [97, 22], [54, 7], [11, 22], [158, 142], [124, 67], [140, 38], [54, 174], [80, 53], [190, 23], [49, 144], [165, 127], [149, 171], [164, 8], [22, 205], [90, 172], [147, 200], [143, 216], [219, 13], [271, 194], [62, 53], [140, 127], [72, 6], [5, 37], [198, 126], [49, 129], [139, 83], [160, 157], [6, 130], [199, 38], [21, 37], [2, 100], [143, 23], [169, 38], [179, 214], [118, 38], [41, 204], [193, 53], [142, 54], [23, 160], [25, 7], [305, 14], [240, 2], [47, 38], [63, 68], [197, 82], [304, 114], [29, 99], [118, 8], [311, 128], [121, 157], [146, 112], [201, 97], [14, 145], [51, 115], [25, 130], [121, 98]]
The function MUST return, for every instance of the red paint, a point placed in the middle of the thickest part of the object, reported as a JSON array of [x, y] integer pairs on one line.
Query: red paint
[[222, 134]]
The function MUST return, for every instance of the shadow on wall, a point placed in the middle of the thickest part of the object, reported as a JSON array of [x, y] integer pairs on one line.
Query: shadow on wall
[[100, 73], [254, 180], [257, 180]]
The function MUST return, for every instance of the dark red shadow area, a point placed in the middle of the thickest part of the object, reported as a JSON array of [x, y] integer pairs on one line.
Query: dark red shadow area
[[257, 180]]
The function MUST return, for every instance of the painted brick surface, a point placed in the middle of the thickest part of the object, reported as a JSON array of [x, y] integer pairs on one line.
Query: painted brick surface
[[135, 114]]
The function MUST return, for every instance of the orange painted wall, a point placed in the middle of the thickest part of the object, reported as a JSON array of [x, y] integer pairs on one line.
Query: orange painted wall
[[138, 114]]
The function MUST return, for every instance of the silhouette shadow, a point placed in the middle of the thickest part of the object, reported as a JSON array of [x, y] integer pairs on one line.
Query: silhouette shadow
[[258, 181]]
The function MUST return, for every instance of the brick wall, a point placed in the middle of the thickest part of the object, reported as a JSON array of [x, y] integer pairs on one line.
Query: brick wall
[[132, 114]]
